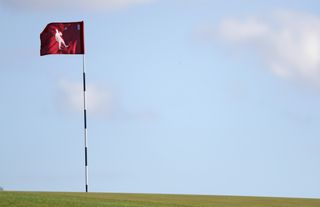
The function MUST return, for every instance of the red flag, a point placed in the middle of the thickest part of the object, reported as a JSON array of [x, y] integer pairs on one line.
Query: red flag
[[62, 38]]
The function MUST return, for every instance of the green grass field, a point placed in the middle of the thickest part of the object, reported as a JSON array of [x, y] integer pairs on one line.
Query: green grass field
[[37, 199]]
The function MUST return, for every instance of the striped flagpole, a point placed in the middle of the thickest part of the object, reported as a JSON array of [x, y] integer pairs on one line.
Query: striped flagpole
[[85, 126]]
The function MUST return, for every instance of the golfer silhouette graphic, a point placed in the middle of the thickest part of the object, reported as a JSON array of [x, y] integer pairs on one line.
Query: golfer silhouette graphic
[[60, 40]]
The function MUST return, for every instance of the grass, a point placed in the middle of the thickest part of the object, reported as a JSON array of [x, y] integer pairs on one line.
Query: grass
[[46, 199]]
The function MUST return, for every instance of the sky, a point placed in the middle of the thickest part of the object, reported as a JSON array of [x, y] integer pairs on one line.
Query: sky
[[184, 97]]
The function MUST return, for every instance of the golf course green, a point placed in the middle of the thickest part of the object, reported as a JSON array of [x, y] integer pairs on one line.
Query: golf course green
[[59, 199]]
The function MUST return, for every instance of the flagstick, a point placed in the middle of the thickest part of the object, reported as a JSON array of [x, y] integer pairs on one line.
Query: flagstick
[[85, 125]]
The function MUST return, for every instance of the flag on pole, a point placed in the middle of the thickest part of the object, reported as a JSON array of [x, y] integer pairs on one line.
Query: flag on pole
[[62, 38], [68, 38]]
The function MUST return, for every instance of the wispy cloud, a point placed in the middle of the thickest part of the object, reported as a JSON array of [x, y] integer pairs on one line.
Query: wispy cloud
[[100, 100], [237, 30], [59, 5], [288, 42]]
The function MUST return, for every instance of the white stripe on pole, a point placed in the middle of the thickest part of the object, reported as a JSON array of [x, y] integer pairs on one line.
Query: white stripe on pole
[[85, 127]]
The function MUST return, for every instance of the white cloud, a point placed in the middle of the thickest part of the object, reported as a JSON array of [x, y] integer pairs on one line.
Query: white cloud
[[236, 30], [288, 41], [73, 4], [100, 101]]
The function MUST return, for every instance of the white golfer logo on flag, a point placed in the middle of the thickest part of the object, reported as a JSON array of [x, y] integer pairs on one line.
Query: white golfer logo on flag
[[60, 40]]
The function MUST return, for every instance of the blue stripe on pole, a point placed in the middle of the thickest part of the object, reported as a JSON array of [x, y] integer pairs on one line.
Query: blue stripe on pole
[[86, 156], [85, 118], [84, 81]]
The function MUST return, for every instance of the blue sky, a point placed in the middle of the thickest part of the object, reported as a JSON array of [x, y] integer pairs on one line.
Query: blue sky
[[184, 97]]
